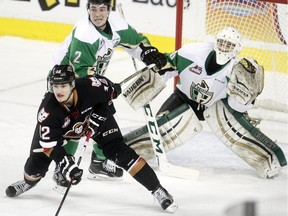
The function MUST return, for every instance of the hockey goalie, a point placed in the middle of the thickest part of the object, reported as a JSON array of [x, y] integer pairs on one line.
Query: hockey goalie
[[223, 108]]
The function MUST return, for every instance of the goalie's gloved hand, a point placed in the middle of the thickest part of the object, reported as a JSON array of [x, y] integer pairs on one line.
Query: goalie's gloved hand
[[117, 90], [150, 55], [70, 169]]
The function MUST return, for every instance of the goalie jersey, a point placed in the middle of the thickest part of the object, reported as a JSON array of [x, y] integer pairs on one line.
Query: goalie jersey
[[195, 82]]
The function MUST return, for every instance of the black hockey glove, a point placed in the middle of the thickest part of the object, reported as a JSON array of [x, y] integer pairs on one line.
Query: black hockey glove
[[70, 169], [116, 90], [150, 55]]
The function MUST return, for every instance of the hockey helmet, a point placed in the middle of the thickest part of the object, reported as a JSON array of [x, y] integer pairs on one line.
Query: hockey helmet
[[227, 45], [105, 2], [61, 74]]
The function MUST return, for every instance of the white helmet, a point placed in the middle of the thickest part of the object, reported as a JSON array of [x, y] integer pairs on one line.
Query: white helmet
[[227, 45]]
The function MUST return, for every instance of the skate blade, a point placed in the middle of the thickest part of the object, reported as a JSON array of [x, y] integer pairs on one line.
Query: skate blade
[[99, 177], [60, 189], [172, 208]]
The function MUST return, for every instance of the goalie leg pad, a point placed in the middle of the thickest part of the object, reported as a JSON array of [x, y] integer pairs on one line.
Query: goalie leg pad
[[176, 128], [237, 138]]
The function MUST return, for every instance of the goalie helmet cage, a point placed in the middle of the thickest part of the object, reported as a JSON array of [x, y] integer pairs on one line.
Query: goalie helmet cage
[[263, 26]]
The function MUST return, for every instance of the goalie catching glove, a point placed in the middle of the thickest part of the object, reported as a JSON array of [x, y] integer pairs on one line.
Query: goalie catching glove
[[246, 81], [151, 55], [70, 169]]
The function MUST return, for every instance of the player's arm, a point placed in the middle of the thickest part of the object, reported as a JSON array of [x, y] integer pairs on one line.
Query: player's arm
[[176, 63], [139, 47], [61, 55], [51, 140]]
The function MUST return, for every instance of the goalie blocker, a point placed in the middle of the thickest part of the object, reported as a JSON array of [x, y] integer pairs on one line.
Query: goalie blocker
[[144, 88]]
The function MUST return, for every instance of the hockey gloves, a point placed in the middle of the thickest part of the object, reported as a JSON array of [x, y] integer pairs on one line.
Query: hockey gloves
[[70, 169], [150, 55], [116, 90]]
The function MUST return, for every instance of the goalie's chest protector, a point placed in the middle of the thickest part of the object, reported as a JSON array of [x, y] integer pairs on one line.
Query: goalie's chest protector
[[194, 80]]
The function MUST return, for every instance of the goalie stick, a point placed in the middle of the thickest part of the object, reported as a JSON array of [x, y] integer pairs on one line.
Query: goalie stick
[[155, 137], [78, 163], [148, 67]]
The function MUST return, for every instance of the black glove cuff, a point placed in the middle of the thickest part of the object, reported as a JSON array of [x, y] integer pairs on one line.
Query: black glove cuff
[[58, 154]]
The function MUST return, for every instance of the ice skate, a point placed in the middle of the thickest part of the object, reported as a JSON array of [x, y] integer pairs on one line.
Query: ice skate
[[165, 199], [104, 170], [17, 188]]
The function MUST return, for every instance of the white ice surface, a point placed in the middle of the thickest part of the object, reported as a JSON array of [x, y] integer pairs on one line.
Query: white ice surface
[[225, 180]]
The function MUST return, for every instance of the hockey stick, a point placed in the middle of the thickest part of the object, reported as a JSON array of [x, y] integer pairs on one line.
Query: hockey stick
[[164, 166], [148, 67], [78, 163], [155, 137]]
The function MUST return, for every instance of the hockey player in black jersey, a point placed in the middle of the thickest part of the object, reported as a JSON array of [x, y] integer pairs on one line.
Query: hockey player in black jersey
[[68, 111]]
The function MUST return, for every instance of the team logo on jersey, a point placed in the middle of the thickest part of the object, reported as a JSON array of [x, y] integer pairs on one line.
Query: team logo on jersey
[[200, 93], [196, 69], [67, 121], [78, 130], [42, 115]]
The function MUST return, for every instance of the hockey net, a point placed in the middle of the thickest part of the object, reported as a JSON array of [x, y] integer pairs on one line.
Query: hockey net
[[263, 25]]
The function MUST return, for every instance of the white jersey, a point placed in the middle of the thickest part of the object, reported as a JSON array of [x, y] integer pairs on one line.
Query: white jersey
[[89, 50], [194, 81]]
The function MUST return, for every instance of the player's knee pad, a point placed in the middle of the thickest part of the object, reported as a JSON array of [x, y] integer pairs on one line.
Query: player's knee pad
[[120, 153]]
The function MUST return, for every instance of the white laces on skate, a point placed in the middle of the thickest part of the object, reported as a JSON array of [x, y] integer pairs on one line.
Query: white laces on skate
[[165, 200], [21, 186], [160, 194], [109, 167]]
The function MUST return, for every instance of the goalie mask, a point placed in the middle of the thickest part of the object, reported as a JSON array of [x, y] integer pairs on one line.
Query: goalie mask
[[61, 74], [227, 45], [246, 80]]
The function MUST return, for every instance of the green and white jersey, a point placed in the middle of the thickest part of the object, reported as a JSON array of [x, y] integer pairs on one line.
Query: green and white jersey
[[190, 63], [89, 50]]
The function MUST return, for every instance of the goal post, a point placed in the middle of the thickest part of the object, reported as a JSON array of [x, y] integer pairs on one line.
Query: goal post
[[263, 26]]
